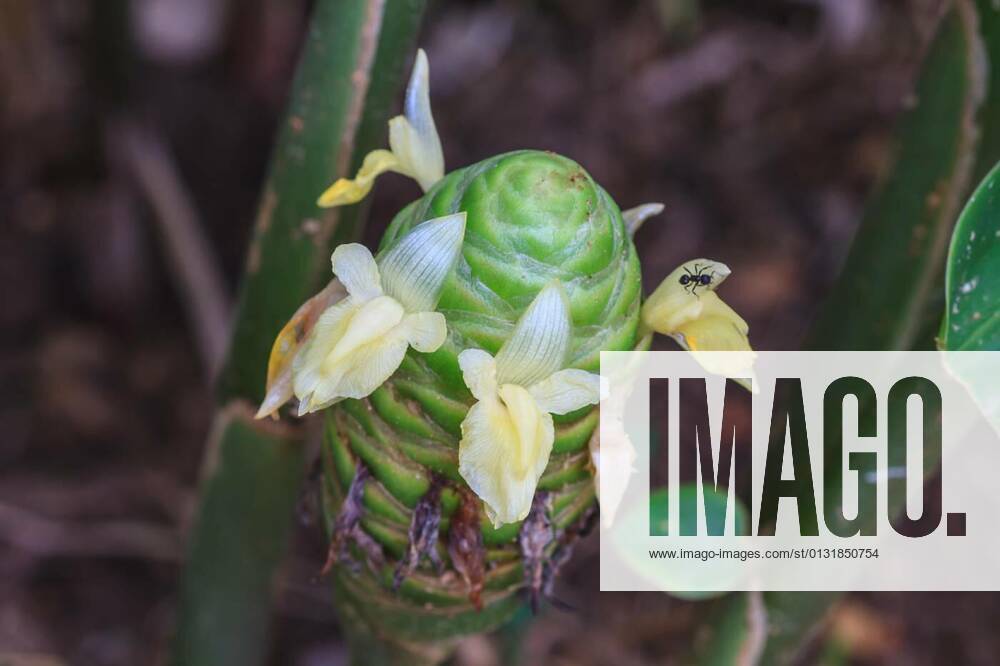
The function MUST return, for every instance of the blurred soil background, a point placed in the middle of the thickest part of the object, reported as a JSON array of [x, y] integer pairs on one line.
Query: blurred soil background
[[761, 124]]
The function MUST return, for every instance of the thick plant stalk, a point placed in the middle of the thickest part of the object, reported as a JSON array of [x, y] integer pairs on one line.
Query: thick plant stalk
[[251, 482], [346, 85], [988, 17], [531, 217], [889, 295], [346, 82]]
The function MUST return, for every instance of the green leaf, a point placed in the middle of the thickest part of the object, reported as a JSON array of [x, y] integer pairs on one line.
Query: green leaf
[[972, 289], [972, 281], [988, 18], [893, 269]]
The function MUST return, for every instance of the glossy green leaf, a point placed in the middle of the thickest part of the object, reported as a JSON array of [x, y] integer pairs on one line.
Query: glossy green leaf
[[972, 289], [972, 281]]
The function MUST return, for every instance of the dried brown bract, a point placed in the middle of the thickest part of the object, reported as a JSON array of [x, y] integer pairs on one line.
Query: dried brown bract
[[423, 534], [535, 536], [347, 529], [465, 546]]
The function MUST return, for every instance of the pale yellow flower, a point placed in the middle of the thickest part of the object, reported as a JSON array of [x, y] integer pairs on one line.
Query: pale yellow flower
[[359, 341], [686, 308], [507, 435], [415, 149]]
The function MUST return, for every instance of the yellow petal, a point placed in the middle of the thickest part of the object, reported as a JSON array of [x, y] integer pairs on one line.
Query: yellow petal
[[348, 352], [366, 370], [713, 306], [479, 370], [355, 266], [413, 137], [693, 315], [372, 321], [287, 345], [504, 449], [706, 336], [352, 190], [678, 299], [567, 390], [713, 333], [681, 298], [528, 422], [424, 331], [307, 366]]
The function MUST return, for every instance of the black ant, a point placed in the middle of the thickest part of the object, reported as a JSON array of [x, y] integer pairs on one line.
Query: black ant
[[699, 278]]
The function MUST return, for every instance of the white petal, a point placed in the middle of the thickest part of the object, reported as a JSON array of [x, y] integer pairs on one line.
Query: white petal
[[613, 456], [354, 265], [479, 370], [414, 269], [567, 390], [634, 217], [424, 331], [413, 137], [540, 341]]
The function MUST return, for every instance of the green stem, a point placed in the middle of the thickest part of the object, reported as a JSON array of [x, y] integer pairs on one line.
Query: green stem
[[251, 482]]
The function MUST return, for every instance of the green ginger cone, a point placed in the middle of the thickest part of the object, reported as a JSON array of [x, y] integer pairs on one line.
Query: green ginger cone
[[531, 217]]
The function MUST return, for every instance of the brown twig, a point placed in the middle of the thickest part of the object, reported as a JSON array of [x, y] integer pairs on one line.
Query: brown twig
[[49, 538]]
